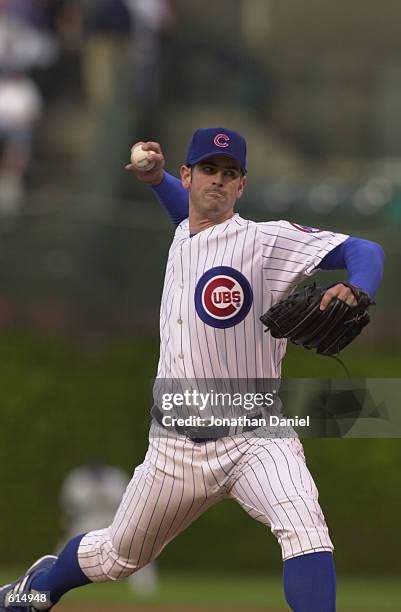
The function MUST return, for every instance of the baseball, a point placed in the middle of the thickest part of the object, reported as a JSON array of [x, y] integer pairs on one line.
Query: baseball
[[140, 158]]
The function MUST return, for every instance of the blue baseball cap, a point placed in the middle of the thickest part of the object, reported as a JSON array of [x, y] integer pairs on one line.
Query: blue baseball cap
[[207, 142]]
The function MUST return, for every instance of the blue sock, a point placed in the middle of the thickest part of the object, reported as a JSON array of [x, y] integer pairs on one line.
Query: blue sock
[[310, 583], [65, 573]]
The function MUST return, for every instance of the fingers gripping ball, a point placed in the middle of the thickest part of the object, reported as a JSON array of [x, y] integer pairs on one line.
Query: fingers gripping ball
[[141, 159], [299, 318]]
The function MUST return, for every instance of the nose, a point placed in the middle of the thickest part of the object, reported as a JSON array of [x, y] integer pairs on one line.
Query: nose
[[218, 179]]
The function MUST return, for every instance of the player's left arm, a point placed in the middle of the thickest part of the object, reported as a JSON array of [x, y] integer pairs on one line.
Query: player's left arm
[[364, 262]]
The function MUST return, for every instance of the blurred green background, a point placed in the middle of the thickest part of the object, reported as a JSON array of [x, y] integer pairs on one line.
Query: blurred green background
[[316, 89], [65, 402]]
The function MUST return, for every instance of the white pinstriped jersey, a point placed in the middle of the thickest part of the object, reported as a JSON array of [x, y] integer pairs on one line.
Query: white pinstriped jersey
[[218, 283]]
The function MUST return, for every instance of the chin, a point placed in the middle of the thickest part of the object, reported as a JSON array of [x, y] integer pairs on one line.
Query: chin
[[212, 207]]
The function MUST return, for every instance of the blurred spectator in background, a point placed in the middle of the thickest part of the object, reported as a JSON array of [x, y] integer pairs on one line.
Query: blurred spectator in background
[[119, 29], [123, 54], [28, 41], [150, 19], [20, 108], [89, 498], [107, 26]]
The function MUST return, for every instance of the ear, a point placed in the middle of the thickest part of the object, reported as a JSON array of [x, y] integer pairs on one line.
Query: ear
[[241, 186], [185, 173]]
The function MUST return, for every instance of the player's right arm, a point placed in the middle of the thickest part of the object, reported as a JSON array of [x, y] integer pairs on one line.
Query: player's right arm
[[168, 189]]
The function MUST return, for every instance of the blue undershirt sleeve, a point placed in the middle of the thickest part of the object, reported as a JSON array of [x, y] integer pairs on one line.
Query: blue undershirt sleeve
[[363, 259], [173, 196]]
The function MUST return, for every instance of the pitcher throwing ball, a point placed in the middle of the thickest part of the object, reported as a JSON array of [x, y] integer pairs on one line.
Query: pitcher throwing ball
[[223, 272]]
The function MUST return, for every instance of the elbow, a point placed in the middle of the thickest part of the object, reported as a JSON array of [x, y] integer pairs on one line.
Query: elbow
[[380, 251], [370, 248], [377, 251], [376, 258]]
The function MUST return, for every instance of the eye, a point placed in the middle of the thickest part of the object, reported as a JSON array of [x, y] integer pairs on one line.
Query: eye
[[231, 173]]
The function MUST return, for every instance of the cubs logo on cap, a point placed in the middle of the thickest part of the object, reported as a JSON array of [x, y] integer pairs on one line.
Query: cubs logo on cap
[[221, 140], [223, 297], [207, 142]]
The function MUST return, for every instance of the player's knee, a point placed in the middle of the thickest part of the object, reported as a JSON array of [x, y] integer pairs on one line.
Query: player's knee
[[108, 564], [112, 568], [119, 566], [309, 533], [121, 569]]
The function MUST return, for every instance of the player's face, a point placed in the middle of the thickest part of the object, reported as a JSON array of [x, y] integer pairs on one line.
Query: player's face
[[214, 186]]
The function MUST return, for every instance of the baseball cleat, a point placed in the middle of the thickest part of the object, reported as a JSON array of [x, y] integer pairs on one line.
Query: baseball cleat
[[19, 597]]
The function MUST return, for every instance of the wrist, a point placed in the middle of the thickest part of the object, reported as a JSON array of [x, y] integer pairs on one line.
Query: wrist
[[157, 180]]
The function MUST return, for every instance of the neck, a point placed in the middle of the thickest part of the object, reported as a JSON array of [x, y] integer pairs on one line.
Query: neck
[[198, 223]]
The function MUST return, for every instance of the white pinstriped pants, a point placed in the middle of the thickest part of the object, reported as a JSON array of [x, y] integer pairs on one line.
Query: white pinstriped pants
[[180, 479]]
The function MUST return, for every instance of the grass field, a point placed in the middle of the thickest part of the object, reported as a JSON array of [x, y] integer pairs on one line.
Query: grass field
[[190, 592]]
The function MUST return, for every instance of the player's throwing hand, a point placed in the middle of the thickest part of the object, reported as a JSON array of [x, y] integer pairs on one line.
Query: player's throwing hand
[[154, 174]]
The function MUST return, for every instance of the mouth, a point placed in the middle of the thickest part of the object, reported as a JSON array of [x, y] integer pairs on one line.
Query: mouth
[[215, 194]]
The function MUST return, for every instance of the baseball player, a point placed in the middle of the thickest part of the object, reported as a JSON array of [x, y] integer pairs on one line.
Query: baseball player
[[222, 273]]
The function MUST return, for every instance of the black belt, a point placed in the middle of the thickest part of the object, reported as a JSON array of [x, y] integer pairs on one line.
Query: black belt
[[190, 432]]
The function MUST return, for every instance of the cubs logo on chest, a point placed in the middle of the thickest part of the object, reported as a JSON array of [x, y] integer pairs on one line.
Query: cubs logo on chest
[[223, 297]]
